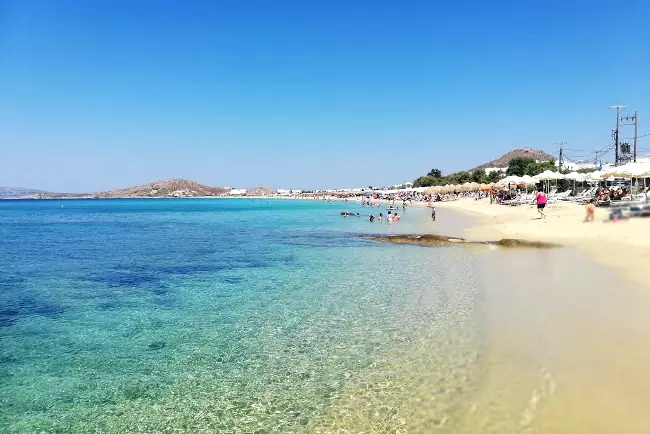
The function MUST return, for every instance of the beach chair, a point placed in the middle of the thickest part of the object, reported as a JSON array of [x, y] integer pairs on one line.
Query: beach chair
[[585, 196], [560, 196], [519, 200]]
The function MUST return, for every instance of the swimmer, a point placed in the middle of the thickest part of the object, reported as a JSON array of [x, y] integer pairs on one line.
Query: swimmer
[[381, 216], [372, 218]]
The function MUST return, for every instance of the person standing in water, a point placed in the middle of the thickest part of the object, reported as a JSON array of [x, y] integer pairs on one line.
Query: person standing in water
[[433, 213], [541, 202]]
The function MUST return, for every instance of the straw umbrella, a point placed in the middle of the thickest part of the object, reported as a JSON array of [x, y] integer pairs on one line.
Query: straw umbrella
[[630, 170]]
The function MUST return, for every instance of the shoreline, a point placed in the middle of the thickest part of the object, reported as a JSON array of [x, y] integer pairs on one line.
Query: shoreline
[[623, 246]]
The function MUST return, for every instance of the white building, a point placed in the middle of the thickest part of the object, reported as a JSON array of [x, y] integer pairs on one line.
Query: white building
[[285, 192], [237, 191], [576, 165], [489, 170]]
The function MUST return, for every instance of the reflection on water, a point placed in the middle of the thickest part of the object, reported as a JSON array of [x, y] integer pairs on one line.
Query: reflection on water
[[159, 316]]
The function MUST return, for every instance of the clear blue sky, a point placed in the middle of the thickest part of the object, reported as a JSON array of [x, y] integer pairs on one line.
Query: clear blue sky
[[304, 94]]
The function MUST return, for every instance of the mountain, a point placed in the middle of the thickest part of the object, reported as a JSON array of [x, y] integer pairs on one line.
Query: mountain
[[15, 192], [168, 188], [503, 160]]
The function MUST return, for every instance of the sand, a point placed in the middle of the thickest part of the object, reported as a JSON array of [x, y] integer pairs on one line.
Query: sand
[[623, 245]]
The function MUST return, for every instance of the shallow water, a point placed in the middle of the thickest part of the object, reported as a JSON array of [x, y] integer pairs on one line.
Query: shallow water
[[267, 316]]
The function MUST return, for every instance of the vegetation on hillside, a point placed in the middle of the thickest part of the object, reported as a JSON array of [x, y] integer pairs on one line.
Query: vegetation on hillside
[[528, 166], [435, 177]]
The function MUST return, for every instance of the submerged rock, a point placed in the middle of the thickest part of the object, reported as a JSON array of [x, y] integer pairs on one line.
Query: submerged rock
[[157, 345], [441, 240], [511, 242], [428, 239]]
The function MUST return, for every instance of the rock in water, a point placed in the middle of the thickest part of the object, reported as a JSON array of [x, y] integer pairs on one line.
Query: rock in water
[[510, 242], [427, 240], [157, 345], [442, 240]]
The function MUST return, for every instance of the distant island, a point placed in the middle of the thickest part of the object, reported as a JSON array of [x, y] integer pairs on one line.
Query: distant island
[[12, 192], [169, 188]]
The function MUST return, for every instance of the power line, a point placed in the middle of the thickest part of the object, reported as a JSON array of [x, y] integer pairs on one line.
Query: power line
[[638, 137]]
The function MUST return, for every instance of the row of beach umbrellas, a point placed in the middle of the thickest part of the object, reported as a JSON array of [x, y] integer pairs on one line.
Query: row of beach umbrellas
[[456, 188], [629, 170]]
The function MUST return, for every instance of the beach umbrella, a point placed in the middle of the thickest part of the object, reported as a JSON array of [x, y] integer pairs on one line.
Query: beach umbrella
[[528, 180], [629, 170], [548, 175], [596, 176], [575, 176]]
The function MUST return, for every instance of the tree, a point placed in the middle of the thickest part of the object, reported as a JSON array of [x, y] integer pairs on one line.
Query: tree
[[517, 166], [478, 175], [493, 176], [425, 181], [537, 168], [435, 173]]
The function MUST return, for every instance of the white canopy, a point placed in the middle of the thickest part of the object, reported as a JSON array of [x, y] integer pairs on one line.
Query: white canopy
[[512, 179], [576, 176], [629, 170], [548, 175]]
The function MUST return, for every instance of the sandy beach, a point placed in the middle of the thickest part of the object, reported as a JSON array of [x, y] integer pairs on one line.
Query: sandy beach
[[622, 245]]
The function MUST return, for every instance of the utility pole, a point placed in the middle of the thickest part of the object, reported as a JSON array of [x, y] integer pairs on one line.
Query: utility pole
[[618, 108], [626, 121], [636, 131], [560, 161]]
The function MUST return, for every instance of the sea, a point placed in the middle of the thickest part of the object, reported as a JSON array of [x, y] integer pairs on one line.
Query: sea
[[279, 316]]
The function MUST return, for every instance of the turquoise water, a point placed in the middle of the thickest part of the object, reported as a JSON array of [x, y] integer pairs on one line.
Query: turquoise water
[[229, 316]]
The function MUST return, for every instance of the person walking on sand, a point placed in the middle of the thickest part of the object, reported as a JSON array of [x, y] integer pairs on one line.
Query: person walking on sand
[[541, 203], [591, 209]]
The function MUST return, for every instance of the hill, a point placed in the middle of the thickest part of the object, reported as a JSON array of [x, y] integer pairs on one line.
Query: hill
[[503, 160], [168, 188], [15, 192], [260, 191]]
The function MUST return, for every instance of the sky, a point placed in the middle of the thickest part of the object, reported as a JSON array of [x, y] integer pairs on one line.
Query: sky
[[103, 94]]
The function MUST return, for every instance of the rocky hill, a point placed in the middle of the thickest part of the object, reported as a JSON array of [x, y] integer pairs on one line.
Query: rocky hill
[[260, 191], [503, 160], [168, 188]]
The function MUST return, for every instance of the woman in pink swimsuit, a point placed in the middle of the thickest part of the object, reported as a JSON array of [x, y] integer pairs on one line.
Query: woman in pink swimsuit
[[541, 203]]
